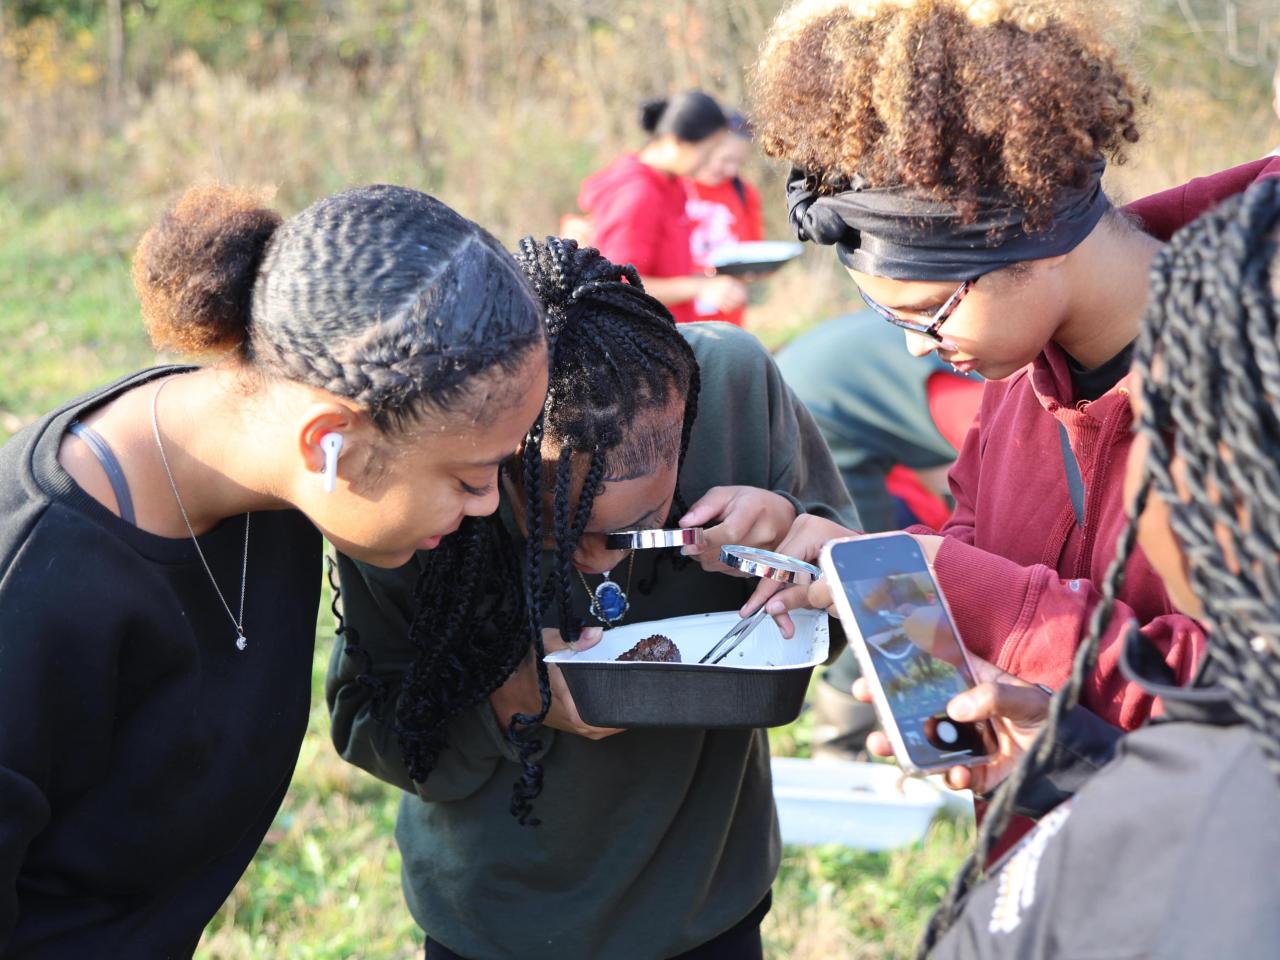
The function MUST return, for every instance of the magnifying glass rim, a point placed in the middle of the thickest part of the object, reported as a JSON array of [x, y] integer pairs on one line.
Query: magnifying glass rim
[[770, 565], [654, 538]]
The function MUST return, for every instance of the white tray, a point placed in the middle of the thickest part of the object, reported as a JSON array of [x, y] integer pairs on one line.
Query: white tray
[[869, 806]]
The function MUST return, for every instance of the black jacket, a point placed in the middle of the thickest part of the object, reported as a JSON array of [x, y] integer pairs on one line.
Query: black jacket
[[1170, 851]]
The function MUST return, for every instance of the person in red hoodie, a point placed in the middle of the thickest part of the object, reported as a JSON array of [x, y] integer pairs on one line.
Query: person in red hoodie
[[953, 154], [722, 208], [1191, 798], [637, 211]]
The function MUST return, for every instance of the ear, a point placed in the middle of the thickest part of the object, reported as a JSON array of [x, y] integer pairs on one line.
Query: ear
[[320, 419]]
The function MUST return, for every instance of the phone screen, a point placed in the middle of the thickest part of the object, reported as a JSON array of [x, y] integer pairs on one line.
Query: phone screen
[[911, 644]]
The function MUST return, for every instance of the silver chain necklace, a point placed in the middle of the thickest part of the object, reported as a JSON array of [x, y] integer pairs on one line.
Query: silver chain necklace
[[241, 641]]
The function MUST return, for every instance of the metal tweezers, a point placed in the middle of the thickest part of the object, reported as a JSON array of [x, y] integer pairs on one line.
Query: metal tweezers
[[737, 633]]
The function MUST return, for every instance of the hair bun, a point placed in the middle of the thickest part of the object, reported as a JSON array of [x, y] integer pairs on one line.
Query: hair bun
[[651, 112], [195, 269]]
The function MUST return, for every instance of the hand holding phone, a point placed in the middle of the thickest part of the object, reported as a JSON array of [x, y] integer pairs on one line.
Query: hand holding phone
[[898, 624], [1015, 709]]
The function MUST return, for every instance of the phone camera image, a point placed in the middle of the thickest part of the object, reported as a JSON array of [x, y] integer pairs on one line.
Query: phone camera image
[[911, 646]]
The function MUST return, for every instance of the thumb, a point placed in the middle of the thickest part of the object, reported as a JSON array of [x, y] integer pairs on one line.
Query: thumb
[[588, 637], [711, 506], [1028, 705]]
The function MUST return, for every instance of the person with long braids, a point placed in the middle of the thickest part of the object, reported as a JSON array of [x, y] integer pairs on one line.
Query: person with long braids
[[952, 152], [649, 843], [1187, 816], [372, 359]]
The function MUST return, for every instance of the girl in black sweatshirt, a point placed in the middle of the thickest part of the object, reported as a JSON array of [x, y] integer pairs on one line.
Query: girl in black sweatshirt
[[377, 357]]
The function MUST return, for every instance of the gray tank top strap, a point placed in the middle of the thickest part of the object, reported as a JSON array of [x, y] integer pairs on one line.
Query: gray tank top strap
[[119, 485]]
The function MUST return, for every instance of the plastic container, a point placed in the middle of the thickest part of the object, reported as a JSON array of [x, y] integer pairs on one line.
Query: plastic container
[[868, 806], [760, 684]]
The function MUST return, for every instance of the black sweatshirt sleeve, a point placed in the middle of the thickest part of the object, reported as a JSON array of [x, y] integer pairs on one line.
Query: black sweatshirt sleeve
[[58, 660]]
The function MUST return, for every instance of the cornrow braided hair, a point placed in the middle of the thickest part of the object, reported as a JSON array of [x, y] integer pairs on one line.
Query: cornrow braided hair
[[387, 297], [616, 356], [1208, 361]]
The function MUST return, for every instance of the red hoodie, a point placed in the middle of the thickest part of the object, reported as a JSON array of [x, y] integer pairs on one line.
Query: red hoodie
[[638, 217], [1020, 575]]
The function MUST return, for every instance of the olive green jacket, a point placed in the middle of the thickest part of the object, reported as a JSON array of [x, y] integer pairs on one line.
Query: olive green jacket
[[652, 841]]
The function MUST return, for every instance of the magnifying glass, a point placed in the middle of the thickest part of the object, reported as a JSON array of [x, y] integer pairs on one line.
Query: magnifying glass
[[772, 566], [654, 539]]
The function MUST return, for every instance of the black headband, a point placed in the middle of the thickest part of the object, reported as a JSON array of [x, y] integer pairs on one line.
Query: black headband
[[894, 232]]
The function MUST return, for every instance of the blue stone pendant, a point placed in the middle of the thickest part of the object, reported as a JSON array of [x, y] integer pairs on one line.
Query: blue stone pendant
[[611, 602]]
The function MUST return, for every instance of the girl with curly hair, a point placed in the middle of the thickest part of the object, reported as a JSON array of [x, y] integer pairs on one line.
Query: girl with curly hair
[[1192, 797], [952, 152]]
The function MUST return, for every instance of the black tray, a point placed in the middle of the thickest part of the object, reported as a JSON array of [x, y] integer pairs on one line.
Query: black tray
[[761, 684]]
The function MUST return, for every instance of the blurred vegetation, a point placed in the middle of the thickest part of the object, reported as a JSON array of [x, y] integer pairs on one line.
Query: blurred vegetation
[[498, 106], [109, 107]]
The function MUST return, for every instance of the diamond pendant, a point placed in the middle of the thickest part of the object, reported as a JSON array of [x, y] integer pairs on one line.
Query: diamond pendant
[[611, 602], [241, 642]]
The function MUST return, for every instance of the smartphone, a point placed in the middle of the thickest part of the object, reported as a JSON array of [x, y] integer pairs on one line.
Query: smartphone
[[898, 623]]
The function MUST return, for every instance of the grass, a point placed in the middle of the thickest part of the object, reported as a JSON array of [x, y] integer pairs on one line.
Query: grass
[[325, 884], [68, 314]]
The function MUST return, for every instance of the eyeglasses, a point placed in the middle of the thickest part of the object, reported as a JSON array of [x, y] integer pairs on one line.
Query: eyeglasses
[[923, 328]]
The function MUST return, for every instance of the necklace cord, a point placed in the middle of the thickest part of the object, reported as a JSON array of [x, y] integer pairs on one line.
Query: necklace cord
[[241, 640]]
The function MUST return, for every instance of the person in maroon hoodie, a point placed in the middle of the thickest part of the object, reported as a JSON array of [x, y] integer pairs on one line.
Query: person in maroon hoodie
[[1191, 798], [637, 212], [953, 154]]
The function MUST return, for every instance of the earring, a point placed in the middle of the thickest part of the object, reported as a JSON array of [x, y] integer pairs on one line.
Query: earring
[[331, 444]]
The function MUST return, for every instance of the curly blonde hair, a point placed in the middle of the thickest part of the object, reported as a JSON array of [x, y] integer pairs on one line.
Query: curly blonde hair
[[954, 97]]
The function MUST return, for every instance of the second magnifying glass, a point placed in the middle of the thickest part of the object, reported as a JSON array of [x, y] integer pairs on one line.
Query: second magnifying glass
[[772, 566]]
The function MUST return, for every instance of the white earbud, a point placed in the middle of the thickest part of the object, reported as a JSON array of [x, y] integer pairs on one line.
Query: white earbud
[[331, 444]]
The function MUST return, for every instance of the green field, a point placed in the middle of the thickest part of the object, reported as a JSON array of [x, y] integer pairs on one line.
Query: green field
[[326, 882]]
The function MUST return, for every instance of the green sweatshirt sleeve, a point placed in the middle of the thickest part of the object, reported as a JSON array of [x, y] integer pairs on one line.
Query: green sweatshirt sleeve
[[377, 608], [752, 430], [802, 468]]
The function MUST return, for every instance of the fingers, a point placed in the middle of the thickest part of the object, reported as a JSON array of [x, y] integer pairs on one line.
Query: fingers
[[708, 554], [564, 712], [780, 605], [710, 506], [987, 672], [720, 506], [742, 515], [1024, 705], [763, 591], [960, 778], [819, 595], [862, 690], [878, 744], [813, 596], [588, 637], [808, 534]]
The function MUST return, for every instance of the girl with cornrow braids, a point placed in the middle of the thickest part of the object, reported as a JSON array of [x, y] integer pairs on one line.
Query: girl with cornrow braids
[[649, 843], [371, 362], [1186, 815], [952, 152]]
